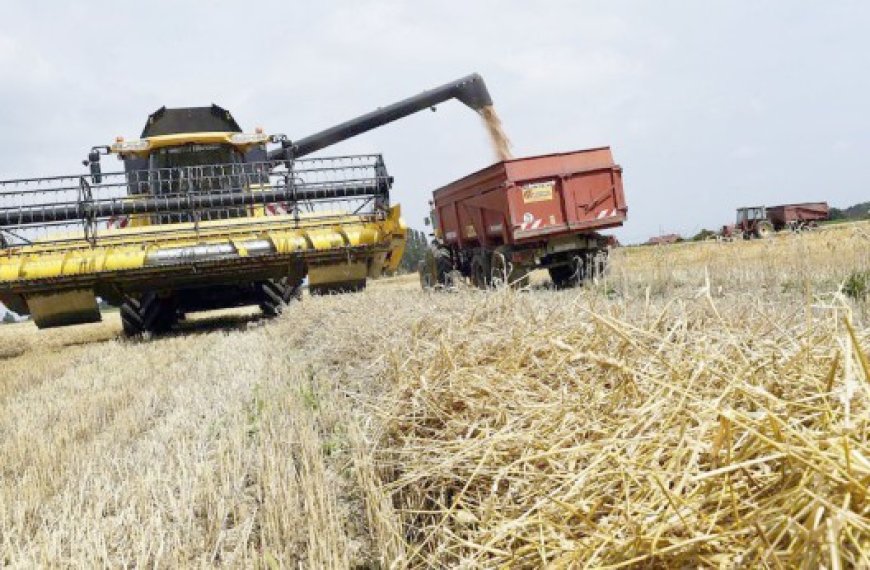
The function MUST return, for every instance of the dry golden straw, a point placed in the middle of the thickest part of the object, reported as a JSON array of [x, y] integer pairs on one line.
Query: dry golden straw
[[701, 406]]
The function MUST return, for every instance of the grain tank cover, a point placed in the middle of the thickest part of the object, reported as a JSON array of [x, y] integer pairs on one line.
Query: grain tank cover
[[212, 119]]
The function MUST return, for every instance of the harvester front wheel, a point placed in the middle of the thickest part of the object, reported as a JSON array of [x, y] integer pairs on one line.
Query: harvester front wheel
[[131, 320], [149, 313], [275, 294]]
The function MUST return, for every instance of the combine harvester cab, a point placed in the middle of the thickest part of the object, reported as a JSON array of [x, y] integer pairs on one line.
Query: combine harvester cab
[[204, 216]]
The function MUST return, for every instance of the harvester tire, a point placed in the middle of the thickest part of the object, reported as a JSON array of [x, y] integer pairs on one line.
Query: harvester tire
[[131, 321], [150, 313], [275, 294]]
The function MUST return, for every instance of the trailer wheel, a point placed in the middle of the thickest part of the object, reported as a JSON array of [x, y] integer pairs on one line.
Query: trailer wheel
[[480, 270], [562, 276]]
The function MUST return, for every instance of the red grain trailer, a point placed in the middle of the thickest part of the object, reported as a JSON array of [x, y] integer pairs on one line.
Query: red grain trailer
[[762, 221], [797, 216], [499, 223]]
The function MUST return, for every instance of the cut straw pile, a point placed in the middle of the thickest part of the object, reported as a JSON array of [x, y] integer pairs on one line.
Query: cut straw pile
[[553, 429]]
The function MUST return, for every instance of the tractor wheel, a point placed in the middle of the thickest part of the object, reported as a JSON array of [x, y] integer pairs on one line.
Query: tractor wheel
[[435, 268], [425, 275], [503, 272], [443, 266], [763, 230], [150, 313], [480, 270], [275, 294]]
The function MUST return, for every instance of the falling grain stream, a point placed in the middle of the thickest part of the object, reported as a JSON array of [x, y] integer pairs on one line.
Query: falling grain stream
[[501, 145]]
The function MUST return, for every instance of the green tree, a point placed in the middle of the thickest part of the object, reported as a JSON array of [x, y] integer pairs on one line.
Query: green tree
[[415, 250], [703, 234]]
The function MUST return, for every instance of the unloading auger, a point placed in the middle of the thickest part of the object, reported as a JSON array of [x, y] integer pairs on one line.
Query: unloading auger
[[205, 216]]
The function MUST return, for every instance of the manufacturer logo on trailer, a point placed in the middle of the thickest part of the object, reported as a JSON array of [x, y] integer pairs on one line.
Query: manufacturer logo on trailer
[[538, 192]]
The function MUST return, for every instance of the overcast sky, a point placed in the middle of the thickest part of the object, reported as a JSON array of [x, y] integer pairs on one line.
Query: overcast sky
[[708, 105]]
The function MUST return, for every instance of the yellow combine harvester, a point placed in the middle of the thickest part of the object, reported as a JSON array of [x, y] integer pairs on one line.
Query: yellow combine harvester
[[204, 216]]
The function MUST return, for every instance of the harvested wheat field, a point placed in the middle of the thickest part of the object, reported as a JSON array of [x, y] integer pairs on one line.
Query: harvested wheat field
[[703, 405]]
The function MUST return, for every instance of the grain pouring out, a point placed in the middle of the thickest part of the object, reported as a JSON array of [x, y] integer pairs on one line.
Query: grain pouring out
[[501, 144]]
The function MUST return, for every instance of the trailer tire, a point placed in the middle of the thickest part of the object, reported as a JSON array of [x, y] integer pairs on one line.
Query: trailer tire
[[480, 270], [562, 276]]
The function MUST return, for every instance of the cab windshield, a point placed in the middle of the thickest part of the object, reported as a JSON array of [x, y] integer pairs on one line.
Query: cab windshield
[[750, 214], [200, 169], [194, 155]]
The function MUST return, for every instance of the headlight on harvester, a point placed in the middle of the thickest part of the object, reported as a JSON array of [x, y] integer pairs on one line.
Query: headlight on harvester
[[248, 138], [139, 145]]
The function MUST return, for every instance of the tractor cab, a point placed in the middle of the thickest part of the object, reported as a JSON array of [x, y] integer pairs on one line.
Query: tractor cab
[[752, 222], [751, 214]]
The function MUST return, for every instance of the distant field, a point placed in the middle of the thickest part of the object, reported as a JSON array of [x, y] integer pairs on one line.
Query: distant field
[[704, 404]]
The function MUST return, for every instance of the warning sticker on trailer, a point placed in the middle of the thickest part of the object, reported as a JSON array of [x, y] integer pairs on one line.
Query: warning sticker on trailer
[[538, 192]]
